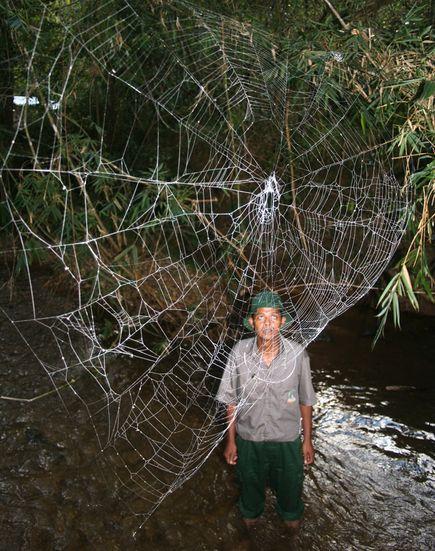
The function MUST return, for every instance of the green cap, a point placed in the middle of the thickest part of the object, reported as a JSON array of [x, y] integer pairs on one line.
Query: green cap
[[265, 299]]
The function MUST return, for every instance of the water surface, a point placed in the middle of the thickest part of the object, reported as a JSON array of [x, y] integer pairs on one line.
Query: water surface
[[371, 488]]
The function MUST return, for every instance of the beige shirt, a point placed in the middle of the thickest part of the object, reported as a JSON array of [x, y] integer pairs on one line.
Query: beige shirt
[[268, 398]]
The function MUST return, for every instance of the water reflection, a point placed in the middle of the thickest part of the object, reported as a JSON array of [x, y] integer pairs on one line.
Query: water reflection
[[371, 488], [372, 480]]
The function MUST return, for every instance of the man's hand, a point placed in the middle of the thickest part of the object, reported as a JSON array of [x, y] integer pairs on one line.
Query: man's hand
[[230, 453], [308, 452]]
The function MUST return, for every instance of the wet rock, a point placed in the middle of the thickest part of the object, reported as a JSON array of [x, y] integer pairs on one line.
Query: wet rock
[[33, 436], [26, 467], [399, 387], [38, 538], [48, 458]]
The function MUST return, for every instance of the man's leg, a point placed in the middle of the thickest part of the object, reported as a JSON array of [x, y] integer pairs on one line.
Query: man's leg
[[286, 480], [252, 479]]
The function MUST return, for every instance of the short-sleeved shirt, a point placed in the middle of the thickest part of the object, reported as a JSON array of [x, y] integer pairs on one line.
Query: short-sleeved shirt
[[268, 398]]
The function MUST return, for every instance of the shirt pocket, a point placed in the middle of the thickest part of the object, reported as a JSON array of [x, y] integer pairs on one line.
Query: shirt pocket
[[290, 397]]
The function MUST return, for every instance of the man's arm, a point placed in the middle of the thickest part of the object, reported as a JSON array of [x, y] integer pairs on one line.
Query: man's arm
[[230, 452], [307, 427]]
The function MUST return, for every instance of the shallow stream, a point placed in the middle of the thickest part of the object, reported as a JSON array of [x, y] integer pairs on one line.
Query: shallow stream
[[371, 488]]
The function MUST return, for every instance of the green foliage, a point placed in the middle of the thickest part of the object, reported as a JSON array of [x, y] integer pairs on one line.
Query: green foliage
[[388, 52], [399, 286], [390, 67]]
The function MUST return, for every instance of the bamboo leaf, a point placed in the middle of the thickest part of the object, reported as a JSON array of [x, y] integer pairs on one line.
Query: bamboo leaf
[[388, 287], [123, 253], [426, 90], [405, 277], [380, 330], [396, 310]]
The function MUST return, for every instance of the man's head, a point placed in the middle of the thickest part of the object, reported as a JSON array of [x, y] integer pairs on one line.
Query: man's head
[[267, 322], [266, 316]]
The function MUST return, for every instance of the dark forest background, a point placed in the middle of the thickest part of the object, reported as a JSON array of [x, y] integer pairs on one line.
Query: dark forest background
[[389, 51]]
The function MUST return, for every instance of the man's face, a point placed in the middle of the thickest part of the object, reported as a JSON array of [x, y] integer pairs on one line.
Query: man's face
[[267, 322]]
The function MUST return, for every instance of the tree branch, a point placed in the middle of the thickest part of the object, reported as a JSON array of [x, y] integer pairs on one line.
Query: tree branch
[[345, 26]]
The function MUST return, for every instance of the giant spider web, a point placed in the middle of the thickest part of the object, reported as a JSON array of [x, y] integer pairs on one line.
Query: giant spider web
[[235, 164]]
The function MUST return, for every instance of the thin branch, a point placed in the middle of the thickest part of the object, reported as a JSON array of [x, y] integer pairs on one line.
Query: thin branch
[[345, 26], [28, 400]]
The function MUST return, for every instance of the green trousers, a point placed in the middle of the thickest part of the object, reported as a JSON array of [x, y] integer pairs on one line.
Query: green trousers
[[275, 464]]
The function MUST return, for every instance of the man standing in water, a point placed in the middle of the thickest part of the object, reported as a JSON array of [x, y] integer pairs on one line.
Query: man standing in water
[[267, 389]]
